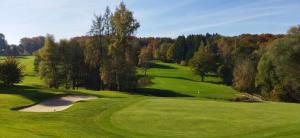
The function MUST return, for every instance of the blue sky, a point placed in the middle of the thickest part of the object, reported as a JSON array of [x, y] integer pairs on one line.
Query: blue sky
[[165, 18]]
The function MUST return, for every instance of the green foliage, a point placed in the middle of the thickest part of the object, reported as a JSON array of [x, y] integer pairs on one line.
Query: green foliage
[[49, 57], [179, 49], [170, 53], [11, 71], [225, 72], [30, 45], [105, 59], [144, 58], [122, 65], [278, 70], [203, 61], [163, 50]]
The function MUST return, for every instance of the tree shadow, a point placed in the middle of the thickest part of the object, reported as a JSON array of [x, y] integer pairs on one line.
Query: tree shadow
[[21, 57], [158, 93], [213, 82], [160, 66], [180, 78], [28, 92]]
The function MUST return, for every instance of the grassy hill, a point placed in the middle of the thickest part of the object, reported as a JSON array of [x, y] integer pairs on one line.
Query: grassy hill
[[181, 80], [188, 108]]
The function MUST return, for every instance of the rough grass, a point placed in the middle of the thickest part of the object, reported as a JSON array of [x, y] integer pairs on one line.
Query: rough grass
[[117, 114]]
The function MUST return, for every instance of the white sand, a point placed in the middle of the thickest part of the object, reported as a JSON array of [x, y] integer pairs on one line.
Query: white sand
[[57, 104]]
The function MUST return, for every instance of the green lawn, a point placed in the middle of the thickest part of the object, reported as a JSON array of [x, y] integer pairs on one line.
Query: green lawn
[[116, 114], [180, 79]]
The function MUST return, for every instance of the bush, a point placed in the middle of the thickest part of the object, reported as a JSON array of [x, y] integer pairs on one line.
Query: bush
[[11, 71]]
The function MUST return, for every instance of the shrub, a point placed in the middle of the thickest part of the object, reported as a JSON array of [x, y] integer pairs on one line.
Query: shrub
[[11, 71]]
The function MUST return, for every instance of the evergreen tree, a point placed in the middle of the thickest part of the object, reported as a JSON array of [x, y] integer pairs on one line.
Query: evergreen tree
[[180, 49]]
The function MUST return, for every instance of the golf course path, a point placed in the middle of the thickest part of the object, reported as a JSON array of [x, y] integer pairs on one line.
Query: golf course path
[[57, 104]]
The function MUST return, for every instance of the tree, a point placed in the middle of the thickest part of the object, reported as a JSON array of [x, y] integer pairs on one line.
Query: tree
[[97, 48], [163, 50], [193, 42], [144, 58], [244, 76], [3, 44], [49, 64], [77, 63], [65, 64], [179, 49], [202, 62], [170, 53], [154, 48], [121, 52], [71, 66], [294, 31], [225, 72], [278, 74], [30, 45], [11, 71], [94, 51], [226, 66]]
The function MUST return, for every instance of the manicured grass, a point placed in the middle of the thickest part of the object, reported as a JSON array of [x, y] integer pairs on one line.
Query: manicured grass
[[117, 114], [180, 79]]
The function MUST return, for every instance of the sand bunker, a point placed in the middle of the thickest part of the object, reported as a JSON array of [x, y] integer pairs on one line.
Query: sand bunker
[[57, 104]]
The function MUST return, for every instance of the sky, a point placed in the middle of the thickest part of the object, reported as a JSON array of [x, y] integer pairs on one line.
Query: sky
[[158, 18]]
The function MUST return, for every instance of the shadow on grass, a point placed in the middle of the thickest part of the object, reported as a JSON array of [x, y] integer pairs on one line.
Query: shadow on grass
[[158, 93], [21, 57], [32, 93], [160, 66], [182, 78], [213, 82]]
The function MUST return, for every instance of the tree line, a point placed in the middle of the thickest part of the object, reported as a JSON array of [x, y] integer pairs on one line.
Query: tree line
[[264, 64], [27, 46], [103, 60]]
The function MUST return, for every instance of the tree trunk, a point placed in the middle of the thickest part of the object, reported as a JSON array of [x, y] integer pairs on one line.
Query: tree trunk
[[146, 66], [118, 82], [145, 70]]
